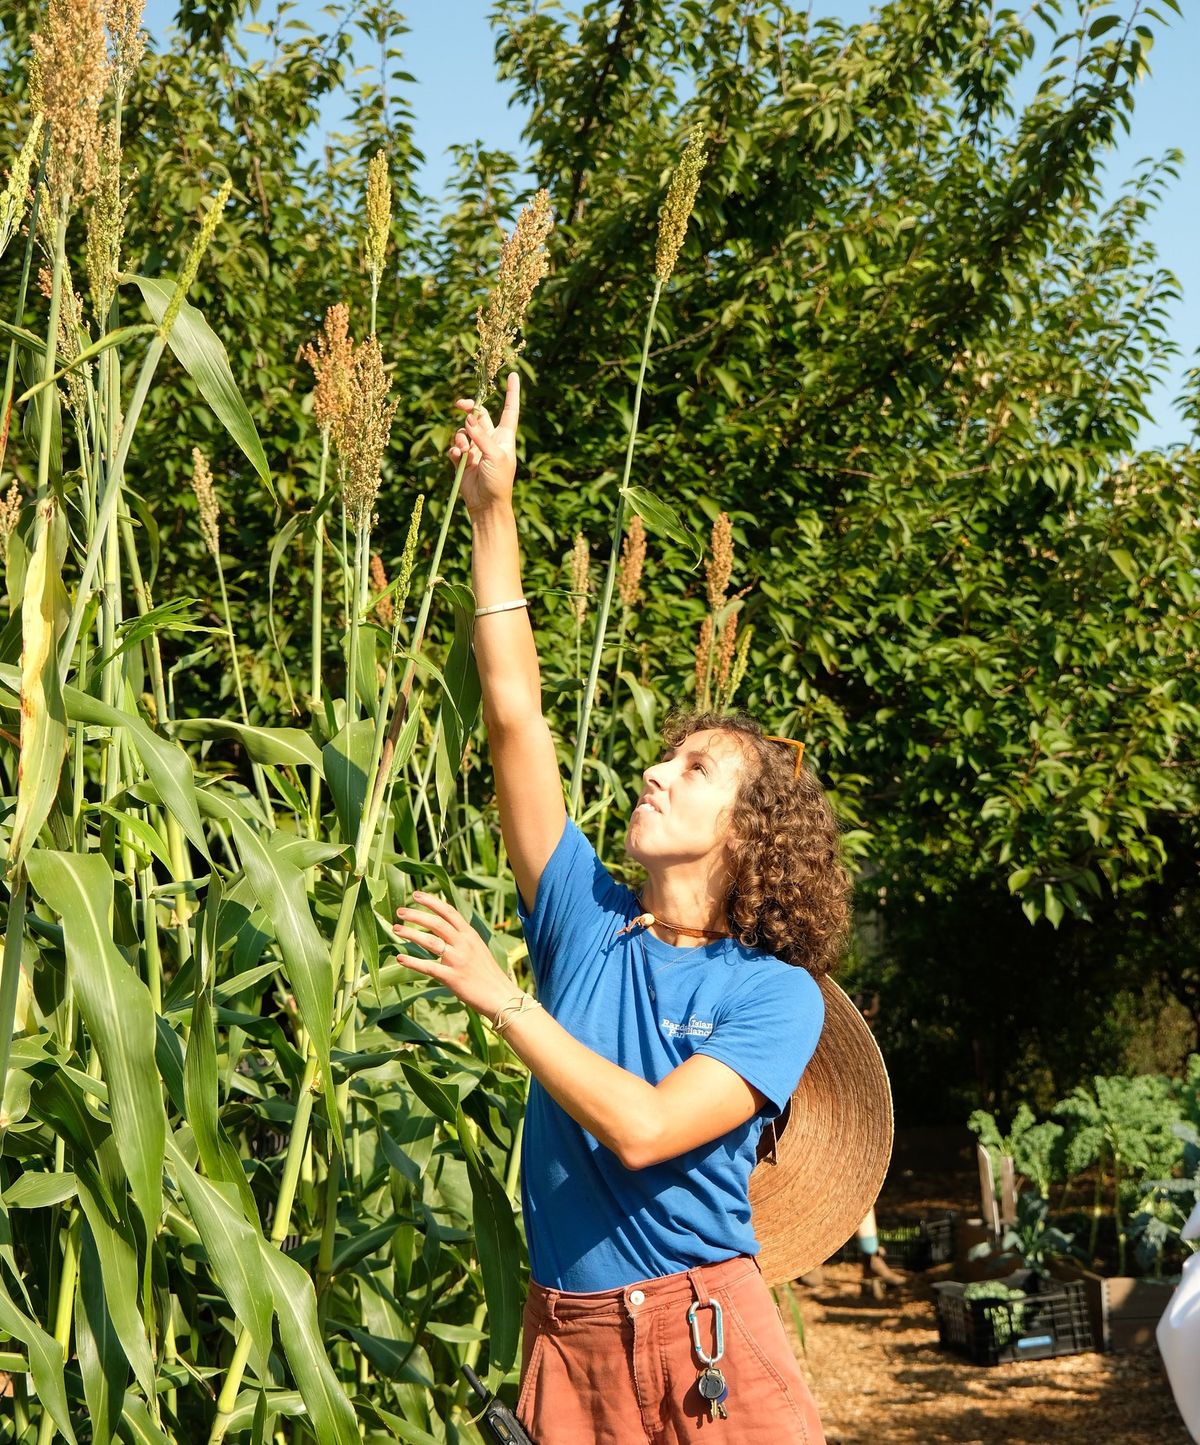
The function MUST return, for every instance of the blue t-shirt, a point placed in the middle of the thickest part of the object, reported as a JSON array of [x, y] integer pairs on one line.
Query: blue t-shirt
[[646, 1005]]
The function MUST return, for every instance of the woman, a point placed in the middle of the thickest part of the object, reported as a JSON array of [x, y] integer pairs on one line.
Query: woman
[[670, 1027]]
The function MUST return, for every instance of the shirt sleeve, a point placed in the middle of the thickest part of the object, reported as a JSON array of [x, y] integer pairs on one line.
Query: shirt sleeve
[[768, 1031], [577, 900]]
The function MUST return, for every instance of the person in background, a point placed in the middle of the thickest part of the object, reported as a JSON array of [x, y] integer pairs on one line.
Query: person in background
[[877, 1274]]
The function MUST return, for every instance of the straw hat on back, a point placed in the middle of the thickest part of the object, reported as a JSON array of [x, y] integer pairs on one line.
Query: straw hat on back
[[823, 1161]]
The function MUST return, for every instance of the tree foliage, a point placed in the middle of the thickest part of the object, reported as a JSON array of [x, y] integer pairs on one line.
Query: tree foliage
[[906, 349]]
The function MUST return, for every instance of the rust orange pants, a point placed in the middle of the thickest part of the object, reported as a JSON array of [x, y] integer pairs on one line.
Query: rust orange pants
[[618, 1367]]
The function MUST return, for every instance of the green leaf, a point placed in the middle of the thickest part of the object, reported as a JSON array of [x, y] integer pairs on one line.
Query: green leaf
[[43, 720], [137, 1427], [460, 707], [329, 1410], [200, 352], [217, 1155], [281, 747], [45, 1361], [39, 1191], [167, 764], [88, 353], [117, 1010], [643, 702], [347, 759], [432, 1093], [661, 518], [235, 1249], [282, 894], [498, 1246], [1124, 563], [102, 1360]]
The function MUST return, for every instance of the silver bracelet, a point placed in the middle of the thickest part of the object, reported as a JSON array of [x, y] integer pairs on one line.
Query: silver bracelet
[[502, 607]]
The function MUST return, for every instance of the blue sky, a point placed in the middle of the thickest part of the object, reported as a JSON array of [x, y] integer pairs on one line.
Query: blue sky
[[457, 98]]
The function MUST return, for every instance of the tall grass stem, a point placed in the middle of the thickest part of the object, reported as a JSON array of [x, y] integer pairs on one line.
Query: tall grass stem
[[610, 577]]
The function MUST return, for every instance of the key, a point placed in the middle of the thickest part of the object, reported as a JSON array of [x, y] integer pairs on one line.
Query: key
[[715, 1390]]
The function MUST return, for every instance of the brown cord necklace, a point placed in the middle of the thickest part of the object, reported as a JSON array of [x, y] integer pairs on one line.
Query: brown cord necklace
[[647, 920]]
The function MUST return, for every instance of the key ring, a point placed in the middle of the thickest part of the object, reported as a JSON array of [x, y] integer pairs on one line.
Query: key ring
[[718, 1326]]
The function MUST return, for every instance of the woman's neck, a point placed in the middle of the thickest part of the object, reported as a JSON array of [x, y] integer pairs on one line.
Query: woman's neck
[[687, 903]]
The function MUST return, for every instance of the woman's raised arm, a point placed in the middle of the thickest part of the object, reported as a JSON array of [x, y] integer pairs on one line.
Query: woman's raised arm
[[528, 782]]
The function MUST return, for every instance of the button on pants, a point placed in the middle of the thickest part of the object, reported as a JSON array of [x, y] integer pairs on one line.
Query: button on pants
[[618, 1367]]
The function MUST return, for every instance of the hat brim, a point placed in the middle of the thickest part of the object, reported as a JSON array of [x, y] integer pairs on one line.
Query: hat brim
[[822, 1171]]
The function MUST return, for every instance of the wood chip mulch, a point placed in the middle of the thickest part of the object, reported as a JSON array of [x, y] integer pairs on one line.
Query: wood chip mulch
[[879, 1376]]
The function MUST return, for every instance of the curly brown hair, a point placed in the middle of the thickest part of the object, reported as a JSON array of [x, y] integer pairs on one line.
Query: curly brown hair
[[791, 891]]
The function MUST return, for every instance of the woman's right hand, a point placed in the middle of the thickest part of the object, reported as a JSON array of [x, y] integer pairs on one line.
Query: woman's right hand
[[491, 451]]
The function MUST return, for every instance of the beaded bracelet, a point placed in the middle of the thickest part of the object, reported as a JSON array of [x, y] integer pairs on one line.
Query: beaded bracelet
[[523, 1003]]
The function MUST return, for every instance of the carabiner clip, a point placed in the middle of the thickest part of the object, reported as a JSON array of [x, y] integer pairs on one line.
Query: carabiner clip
[[718, 1328]]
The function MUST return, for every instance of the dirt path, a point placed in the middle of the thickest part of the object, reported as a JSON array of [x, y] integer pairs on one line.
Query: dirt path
[[880, 1378]]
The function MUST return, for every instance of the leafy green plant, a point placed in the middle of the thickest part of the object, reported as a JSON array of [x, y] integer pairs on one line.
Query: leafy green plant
[[1035, 1146], [1124, 1128], [1005, 1318], [1032, 1237]]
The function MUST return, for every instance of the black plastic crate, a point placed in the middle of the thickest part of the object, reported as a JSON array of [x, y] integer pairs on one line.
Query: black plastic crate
[[1052, 1319], [911, 1243]]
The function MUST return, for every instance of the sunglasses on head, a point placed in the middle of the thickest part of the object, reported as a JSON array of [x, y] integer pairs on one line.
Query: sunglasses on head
[[788, 743]]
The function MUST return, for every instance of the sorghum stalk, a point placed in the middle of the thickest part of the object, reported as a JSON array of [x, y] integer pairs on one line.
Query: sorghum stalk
[[315, 672], [672, 227], [10, 971], [107, 508], [22, 289], [285, 1198], [206, 498], [610, 576], [46, 399], [331, 359], [523, 263], [65, 1300]]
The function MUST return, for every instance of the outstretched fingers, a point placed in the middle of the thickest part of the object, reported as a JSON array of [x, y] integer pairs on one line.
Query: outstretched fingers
[[512, 402]]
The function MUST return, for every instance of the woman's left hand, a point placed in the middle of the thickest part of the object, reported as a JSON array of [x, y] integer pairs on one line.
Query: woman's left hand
[[463, 961]]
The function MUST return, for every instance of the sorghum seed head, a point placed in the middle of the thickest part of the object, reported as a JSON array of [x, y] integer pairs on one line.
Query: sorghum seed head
[[361, 437], [703, 648], [191, 265], [10, 514], [581, 567], [719, 567], [70, 328], [70, 323], [206, 497], [379, 213], [379, 581], [332, 361], [677, 208], [725, 646], [73, 66], [633, 559], [523, 263], [126, 39], [106, 226], [15, 195], [740, 661], [409, 556]]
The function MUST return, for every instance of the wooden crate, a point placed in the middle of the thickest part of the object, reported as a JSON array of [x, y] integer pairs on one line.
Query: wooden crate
[[1124, 1311]]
